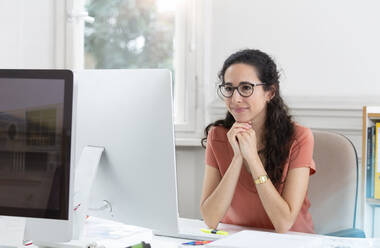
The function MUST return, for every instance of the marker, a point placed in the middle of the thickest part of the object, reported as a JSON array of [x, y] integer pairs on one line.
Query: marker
[[141, 245], [213, 231], [202, 242]]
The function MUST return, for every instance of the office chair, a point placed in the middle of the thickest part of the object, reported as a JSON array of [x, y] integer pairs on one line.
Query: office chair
[[333, 189]]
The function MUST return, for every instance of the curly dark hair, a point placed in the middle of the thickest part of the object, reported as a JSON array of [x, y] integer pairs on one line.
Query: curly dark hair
[[279, 127]]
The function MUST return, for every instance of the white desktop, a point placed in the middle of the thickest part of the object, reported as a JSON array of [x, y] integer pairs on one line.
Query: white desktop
[[129, 113]]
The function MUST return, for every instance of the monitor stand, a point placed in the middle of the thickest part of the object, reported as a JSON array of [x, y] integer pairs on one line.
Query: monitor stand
[[11, 232], [85, 173]]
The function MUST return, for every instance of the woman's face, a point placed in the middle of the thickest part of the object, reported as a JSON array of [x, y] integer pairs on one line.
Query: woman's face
[[245, 109]]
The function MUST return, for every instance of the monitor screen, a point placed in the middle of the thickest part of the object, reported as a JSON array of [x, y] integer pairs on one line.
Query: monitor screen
[[35, 136]]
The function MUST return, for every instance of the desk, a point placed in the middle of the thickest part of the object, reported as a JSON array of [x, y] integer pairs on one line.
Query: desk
[[267, 237], [271, 239], [326, 241]]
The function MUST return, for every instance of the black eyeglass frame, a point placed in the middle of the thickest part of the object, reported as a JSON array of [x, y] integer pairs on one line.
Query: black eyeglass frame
[[237, 88]]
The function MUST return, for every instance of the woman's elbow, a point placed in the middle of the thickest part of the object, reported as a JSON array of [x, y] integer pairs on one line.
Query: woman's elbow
[[212, 224], [283, 227]]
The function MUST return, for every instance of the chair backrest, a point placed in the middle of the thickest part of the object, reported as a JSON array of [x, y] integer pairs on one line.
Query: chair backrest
[[333, 188]]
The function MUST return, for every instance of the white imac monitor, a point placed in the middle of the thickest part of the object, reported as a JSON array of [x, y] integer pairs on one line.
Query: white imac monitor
[[36, 151], [129, 113]]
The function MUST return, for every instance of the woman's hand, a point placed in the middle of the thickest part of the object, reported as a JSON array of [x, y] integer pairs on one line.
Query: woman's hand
[[248, 144], [237, 128]]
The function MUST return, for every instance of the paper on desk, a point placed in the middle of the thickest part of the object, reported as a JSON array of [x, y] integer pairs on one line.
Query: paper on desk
[[12, 231], [249, 239], [114, 234], [102, 232]]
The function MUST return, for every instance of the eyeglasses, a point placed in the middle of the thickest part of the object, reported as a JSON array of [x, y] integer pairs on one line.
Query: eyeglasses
[[245, 89]]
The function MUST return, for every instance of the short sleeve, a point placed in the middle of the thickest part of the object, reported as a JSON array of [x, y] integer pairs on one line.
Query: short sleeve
[[301, 152], [210, 154]]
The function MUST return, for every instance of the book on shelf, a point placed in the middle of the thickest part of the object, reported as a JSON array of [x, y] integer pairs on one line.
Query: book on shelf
[[369, 188], [373, 161], [377, 162], [373, 167]]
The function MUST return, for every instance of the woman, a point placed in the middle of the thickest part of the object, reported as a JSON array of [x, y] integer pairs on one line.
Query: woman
[[258, 161]]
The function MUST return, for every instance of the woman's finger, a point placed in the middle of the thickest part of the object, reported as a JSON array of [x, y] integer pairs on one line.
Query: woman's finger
[[238, 130], [235, 134], [242, 125]]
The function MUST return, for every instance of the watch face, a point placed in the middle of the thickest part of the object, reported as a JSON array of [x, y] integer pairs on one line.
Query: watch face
[[261, 179]]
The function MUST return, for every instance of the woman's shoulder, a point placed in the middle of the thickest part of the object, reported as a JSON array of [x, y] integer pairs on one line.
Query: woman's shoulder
[[218, 133], [302, 133]]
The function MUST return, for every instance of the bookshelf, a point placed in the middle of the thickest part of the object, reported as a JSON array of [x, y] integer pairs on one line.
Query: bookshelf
[[371, 115]]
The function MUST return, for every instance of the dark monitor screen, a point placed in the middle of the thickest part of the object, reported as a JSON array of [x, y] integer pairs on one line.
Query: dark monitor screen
[[35, 142]]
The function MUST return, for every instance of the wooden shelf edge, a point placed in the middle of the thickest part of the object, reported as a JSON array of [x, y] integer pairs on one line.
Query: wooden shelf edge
[[374, 115]]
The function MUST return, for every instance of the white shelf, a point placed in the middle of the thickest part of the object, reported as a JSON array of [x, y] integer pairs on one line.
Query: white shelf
[[374, 202]]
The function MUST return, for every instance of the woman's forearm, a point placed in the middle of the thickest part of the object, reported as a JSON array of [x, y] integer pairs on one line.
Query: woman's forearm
[[214, 207], [277, 209]]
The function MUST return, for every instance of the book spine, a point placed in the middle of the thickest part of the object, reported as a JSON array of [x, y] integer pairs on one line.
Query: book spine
[[377, 164], [373, 162], [369, 159]]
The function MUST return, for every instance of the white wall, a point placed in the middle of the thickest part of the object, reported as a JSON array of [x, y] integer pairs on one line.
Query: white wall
[[324, 48], [190, 170], [27, 34]]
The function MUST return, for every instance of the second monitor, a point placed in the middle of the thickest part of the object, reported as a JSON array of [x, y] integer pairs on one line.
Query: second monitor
[[129, 113]]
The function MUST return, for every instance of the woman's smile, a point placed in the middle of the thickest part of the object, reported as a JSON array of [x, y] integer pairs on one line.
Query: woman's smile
[[239, 110]]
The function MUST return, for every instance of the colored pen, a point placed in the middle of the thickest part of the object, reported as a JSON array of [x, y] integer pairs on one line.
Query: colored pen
[[202, 242], [213, 231]]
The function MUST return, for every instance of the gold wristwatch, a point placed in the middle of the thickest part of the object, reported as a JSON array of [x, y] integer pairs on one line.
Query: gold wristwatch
[[261, 179]]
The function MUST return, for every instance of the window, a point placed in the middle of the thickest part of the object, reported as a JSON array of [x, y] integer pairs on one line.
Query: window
[[142, 34], [137, 34], [130, 34]]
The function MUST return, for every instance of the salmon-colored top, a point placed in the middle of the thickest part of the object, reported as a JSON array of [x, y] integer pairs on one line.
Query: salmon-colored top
[[246, 208]]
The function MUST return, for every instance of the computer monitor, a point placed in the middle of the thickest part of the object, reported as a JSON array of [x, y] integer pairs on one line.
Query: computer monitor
[[36, 151], [129, 113]]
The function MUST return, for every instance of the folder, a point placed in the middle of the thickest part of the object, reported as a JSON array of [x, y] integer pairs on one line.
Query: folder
[[377, 162]]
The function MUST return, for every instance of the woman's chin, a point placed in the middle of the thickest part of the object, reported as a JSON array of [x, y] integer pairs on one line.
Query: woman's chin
[[242, 119]]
